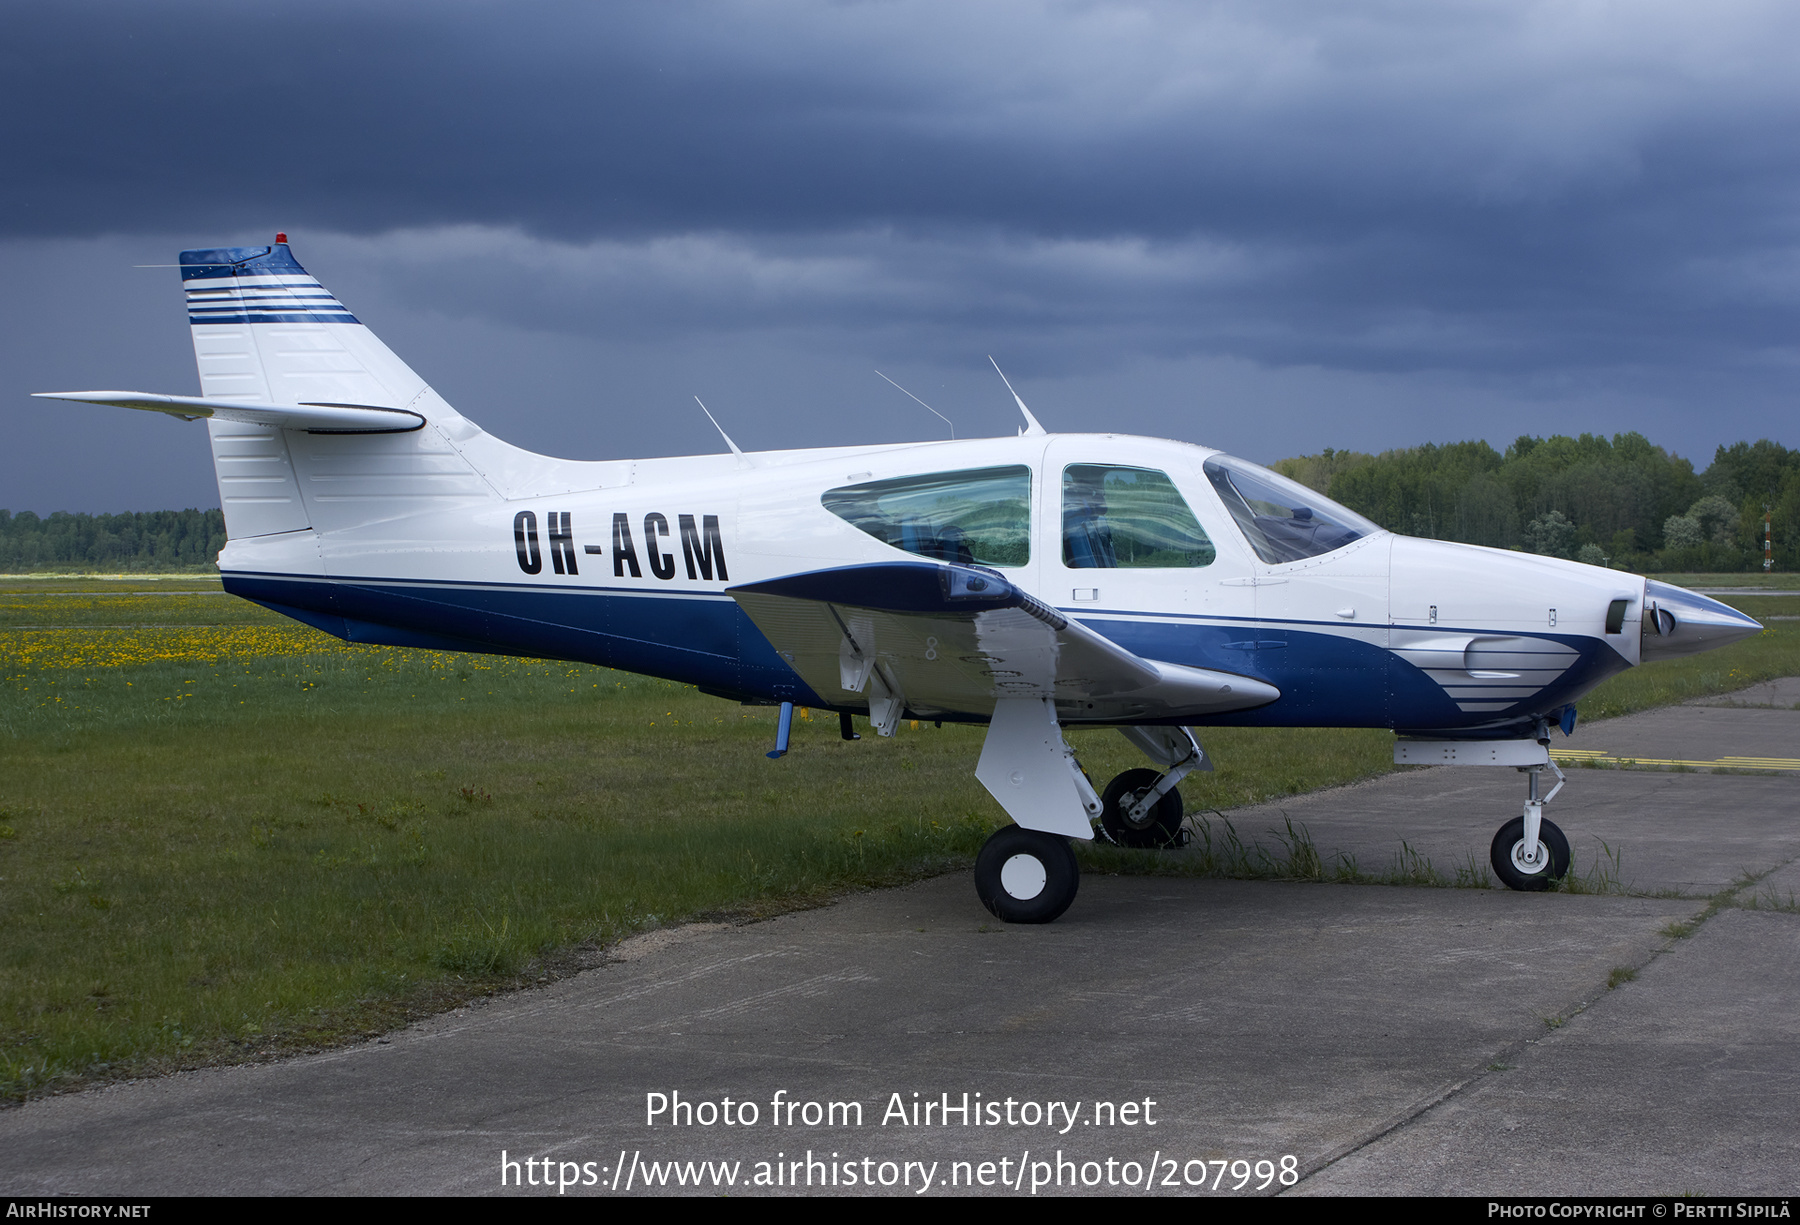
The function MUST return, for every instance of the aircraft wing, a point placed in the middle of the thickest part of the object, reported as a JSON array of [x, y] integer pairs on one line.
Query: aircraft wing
[[943, 640]]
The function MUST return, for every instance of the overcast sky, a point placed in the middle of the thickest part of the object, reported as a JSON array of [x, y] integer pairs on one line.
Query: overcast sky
[[1270, 227]]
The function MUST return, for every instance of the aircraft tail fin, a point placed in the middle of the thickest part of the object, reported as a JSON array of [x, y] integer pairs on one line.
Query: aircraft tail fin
[[266, 332], [316, 425]]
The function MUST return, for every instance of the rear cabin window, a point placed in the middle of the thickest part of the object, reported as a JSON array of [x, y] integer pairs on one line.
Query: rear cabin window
[[978, 516], [1128, 519]]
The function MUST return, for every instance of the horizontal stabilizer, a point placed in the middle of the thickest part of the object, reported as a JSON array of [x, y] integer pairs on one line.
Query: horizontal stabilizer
[[313, 418], [950, 640]]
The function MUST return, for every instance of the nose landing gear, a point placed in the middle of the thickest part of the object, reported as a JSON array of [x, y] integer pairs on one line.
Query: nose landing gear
[[1534, 868], [1530, 853]]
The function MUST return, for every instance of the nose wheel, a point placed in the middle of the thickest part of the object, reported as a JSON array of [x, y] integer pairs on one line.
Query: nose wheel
[[1530, 853], [1026, 876], [1532, 868]]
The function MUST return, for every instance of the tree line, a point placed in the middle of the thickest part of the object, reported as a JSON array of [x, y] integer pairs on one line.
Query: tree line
[[156, 541], [1621, 502]]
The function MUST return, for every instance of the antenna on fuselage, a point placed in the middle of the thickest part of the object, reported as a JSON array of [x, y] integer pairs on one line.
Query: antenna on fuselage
[[1031, 422], [743, 460], [934, 412]]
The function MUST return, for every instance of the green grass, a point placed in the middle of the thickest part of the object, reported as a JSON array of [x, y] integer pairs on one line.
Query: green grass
[[1774, 581], [208, 856], [213, 878], [212, 852], [1220, 851], [134, 601], [1604, 875]]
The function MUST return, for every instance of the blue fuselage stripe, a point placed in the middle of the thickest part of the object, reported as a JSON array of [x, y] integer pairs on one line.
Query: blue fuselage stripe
[[705, 639]]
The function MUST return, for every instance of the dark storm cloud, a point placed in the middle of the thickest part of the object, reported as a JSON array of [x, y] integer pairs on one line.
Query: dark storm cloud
[[573, 118], [1529, 198], [576, 118]]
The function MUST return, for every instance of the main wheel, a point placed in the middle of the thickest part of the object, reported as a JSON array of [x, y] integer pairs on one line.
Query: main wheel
[[1160, 827], [1536, 873], [1025, 876]]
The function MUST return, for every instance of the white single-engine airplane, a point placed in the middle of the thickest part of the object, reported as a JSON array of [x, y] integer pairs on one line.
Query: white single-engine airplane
[[1029, 583]]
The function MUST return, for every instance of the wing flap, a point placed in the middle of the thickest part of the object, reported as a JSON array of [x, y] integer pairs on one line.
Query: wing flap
[[945, 640]]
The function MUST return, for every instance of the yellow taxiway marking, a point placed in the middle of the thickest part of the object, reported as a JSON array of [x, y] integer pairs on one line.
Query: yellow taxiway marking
[[1723, 763]]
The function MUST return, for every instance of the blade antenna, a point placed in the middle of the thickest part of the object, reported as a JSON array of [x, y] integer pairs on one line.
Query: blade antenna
[[743, 459], [1031, 422], [934, 412]]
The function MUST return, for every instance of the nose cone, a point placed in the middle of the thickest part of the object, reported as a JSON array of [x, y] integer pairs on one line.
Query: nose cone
[[1681, 622]]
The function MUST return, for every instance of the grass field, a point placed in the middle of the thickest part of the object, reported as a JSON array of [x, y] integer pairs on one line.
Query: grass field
[[1777, 581], [224, 836]]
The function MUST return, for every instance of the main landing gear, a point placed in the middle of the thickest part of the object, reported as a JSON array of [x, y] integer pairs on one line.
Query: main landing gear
[[1026, 873], [1533, 870], [1141, 808], [1132, 817]]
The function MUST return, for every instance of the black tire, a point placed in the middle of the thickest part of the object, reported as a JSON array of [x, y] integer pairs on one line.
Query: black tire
[[1161, 826], [1025, 876], [1553, 860]]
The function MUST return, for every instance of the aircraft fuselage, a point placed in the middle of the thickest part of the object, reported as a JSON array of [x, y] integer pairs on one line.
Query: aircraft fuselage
[[1387, 631]]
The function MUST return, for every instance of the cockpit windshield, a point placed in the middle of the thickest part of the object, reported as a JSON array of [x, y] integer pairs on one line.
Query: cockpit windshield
[[1283, 520]]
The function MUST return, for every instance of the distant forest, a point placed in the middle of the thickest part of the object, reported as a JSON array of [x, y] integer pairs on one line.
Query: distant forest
[[1623, 503], [143, 542]]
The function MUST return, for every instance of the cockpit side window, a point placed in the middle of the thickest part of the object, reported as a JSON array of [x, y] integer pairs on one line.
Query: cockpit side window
[[1128, 519], [1283, 520], [978, 516]]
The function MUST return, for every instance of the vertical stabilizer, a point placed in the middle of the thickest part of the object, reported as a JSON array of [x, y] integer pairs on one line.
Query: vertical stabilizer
[[266, 332]]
